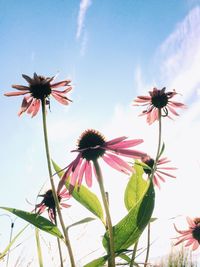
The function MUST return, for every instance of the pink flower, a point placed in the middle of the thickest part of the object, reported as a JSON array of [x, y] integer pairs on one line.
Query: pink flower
[[40, 89], [158, 100], [48, 203], [92, 146], [160, 171], [190, 236]]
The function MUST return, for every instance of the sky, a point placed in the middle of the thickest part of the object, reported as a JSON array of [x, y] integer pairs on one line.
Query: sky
[[112, 51]]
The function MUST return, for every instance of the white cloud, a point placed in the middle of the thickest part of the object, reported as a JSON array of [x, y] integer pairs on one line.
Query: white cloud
[[180, 55], [179, 66], [84, 5]]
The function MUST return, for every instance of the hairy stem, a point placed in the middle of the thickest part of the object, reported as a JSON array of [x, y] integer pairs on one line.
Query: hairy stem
[[67, 242], [111, 261], [151, 177]]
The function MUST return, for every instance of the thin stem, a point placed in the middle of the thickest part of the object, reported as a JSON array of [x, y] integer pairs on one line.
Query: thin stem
[[111, 262], [11, 233], [134, 254], [67, 242], [58, 241], [159, 136], [148, 245], [151, 177]]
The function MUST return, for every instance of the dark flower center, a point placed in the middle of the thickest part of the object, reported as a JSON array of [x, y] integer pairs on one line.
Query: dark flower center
[[159, 99], [49, 200], [91, 142], [40, 88], [196, 233], [149, 162]]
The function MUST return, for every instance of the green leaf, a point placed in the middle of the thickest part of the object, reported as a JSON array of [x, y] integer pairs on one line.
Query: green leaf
[[39, 250], [153, 220], [125, 257], [136, 187], [3, 254], [162, 150], [129, 229], [86, 220], [84, 196], [36, 220], [100, 262]]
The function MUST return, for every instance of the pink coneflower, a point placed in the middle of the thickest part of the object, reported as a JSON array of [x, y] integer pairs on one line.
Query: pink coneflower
[[190, 236], [160, 171], [48, 203], [39, 89], [92, 146], [159, 100]]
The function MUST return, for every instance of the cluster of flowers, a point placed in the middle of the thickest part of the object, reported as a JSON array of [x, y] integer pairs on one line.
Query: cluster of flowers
[[92, 145]]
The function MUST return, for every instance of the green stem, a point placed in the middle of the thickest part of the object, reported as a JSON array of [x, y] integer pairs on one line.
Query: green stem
[[108, 217], [151, 177], [159, 137], [67, 242], [58, 241], [148, 245], [134, 254]]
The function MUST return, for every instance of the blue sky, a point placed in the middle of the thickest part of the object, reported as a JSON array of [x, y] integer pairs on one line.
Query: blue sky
[[112, 51]]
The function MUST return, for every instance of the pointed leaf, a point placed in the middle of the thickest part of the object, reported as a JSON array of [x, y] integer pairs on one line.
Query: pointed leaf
[[100, 262], [84, 196], [129, 229], [136, 187], [88, 219], [162, 150], [39, 250], [36, 220]]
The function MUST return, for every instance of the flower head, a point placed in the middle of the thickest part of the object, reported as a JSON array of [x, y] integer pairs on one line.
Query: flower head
[[39, 89], [158, 100], [92, 146], [190, 236], [48, 203], [160, 171]]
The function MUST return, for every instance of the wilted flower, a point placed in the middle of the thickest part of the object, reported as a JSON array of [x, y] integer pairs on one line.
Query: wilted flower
[[92, 146], [158, 100], [159, 172], [190, 236], [39, 89], [48, 203]]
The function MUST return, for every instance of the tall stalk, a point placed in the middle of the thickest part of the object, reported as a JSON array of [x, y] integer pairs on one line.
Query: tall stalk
[[111, 261], [151, 177], [67, 242]]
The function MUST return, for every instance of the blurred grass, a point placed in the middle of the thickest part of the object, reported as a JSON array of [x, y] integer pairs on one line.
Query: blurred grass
[[178, 258]]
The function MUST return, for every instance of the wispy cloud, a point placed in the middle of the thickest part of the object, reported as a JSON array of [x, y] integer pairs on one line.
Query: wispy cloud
[[178, 64], [180, 55], [84, 5]]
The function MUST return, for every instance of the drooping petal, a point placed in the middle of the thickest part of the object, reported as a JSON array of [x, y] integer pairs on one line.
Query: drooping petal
[[88, 173], [127, 144], [167, 174], [129, 153], [81, 173], [121, 162], [21, 87], [190, 222], [16, 93], [61, 99], [36, 108], [76, 173], [114, 165], [115, 141], [68, 89], [60, 84], [195, 245]]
